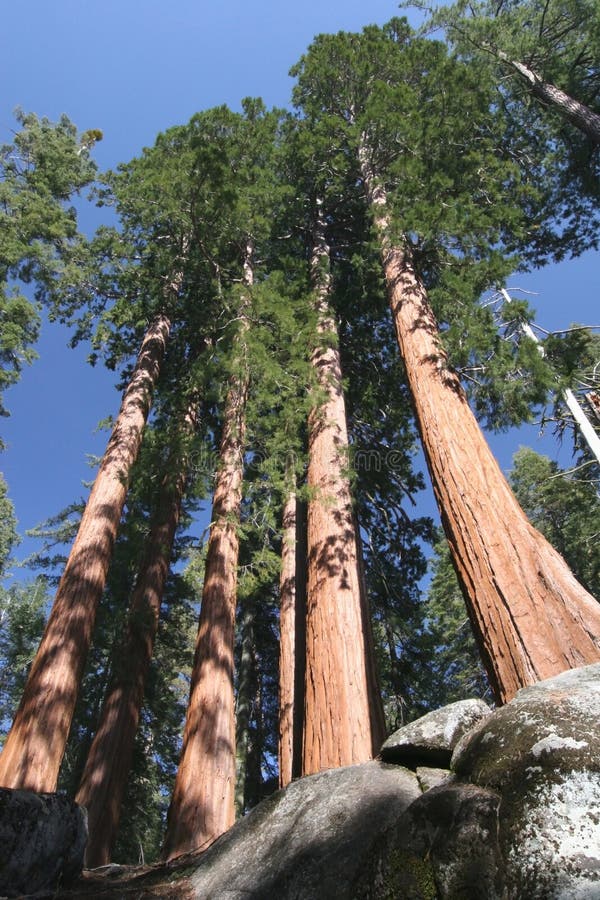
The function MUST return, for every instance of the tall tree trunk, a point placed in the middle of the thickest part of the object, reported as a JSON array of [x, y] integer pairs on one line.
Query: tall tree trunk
[[254, 783], [202, 805], [292, 630], [378, 726], [572, 110], [104, 779], [36, 743], [287, 640], [532, 619], [244, 708], [337, 721], [300, 636]]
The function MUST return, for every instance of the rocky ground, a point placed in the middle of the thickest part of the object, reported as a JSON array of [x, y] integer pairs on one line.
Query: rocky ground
[[467, 802]]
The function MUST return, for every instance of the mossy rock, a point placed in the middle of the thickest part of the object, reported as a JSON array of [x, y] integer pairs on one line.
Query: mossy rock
[[541, 753]]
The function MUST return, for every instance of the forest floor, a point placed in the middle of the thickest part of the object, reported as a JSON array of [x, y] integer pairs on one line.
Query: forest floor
[[114, 882]]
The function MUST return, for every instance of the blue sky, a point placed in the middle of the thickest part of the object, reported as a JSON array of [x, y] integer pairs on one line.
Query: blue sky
[[133, 68]]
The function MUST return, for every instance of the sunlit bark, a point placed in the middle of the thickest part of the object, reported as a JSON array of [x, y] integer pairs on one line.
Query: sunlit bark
[[202, 805], [104, 779], [36, 743], [287, 640], [532, 619], [338, 720]]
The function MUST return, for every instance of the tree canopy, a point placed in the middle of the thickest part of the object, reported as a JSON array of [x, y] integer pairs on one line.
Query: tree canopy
[[41, 171], [255, 248]]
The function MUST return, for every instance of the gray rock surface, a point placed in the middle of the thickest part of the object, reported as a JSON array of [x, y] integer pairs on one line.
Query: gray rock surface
[[42, 840], [318, 838], [518, 819], [454, 828], [430, 740], [541, 753], [429, 778]]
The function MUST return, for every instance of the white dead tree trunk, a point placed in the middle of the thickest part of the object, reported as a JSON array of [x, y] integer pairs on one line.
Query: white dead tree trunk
[[575, 408]]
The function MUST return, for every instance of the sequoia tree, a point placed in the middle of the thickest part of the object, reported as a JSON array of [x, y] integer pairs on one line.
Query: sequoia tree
[[202, 804], [35, 745], [431, 191], [288, 695], [104, 779], [116, 283], [156, 745], [567, 511], [236, 149], [343, 718]]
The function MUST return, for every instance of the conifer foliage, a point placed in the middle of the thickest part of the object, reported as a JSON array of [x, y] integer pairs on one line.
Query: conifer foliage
[[393, 78], [41, 172], [291, 300], [34, 748]]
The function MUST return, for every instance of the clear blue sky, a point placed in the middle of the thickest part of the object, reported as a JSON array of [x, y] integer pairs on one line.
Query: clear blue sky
[[133, 68]]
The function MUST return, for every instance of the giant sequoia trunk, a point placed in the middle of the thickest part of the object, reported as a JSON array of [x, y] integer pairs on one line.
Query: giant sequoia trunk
[[108, 763], [36, 743], [202, 805], [340, 725], [532, 619]]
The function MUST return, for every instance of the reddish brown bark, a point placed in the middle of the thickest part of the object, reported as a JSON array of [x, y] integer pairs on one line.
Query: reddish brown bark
[[593, 399], [337, 720], [287, 641], [292, 659], [36, 743], [202, 806], [532, 619], [108, 763]]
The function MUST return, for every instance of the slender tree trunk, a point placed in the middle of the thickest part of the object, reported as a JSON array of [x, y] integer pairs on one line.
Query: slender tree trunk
[[532, 619], [578, 114], [300, 635], [104, 779], [202, 805], [254, 786], [337, 721], [36, 743], [378, 726], [287, 640], [243, 709], [394, 674]]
